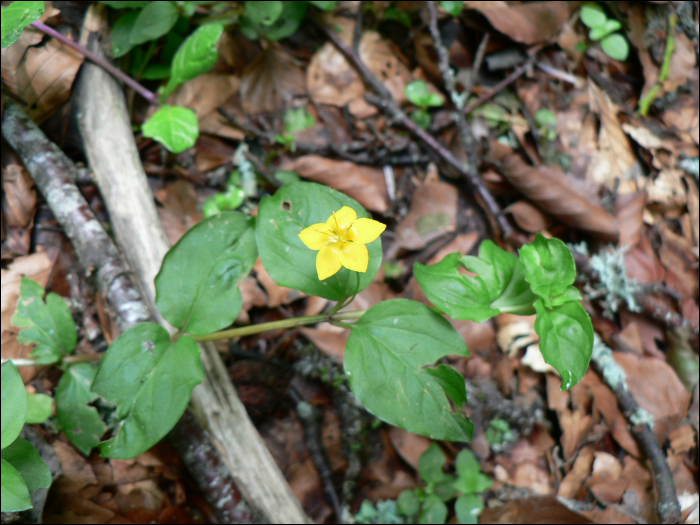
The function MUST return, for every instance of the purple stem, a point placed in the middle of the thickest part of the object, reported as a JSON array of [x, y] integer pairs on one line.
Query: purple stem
[[151, 97]]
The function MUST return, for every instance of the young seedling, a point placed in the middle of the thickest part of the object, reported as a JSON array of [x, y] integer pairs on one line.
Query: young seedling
[[419, 95], [603, 28]]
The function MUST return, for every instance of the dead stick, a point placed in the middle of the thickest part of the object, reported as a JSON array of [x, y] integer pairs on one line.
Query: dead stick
[[386, 102], [114, 158], [54, 174], [614, 376]]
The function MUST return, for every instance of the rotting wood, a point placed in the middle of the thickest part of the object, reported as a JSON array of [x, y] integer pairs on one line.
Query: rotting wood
[[114, 160]]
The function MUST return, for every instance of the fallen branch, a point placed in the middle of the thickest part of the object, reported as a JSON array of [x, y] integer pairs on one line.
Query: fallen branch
[[385, 101], [114, 158], [667, 506], [54, 175]]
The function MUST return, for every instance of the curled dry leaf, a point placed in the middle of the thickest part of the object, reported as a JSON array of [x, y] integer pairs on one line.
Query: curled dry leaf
[[205, 93], [179, 211], [365, 184], [330, 79], [408, 445], [573, 482], [605, 479], [615, 158], [549, 189], [527, 23], [629, 208], [529, 217], [37, 266], [536, 510], [18, 207], [271, 77], [41, 75], [676, 255], [276, 295]]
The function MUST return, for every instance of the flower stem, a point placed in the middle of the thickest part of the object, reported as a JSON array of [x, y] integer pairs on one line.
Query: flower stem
[[67, 360], [115, 72], [278, 325]]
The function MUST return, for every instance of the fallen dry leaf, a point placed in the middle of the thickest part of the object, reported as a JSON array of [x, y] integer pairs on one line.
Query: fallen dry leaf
[[604, 482], [276, 295], [204, 94], [179, 211], [408, 445], [676, 255], [554, 193], [615, 159], [573, 482], [529, 217], [365, 184], [433, 213], [528, 23], [629, 208], [41, 75], [536, 510], [38, 267], [270, 80], [682, 439], [18, 208], [331, 80]]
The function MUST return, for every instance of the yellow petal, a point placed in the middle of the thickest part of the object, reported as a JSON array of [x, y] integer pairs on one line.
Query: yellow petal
[[344, 217], [327, 262], [366, 230], [355, 257], [315, 236]]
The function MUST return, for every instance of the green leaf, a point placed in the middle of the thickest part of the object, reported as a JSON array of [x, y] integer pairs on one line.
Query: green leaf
[[197, 285], [121, 34], [549, 266], [114, 4], [263, 13], [156, 19], [570, 294], [546, 119], [324, 5], [444, 490], [174, 127], [16, 17], [417, 92], [470, 479], [286, 177], [454, 8], [22, 455], [566, 339], [150, 379], [592, 15], [430, 464], [434, 510], [196, 56], [500, 285], [79, 420], [14, 404], [15, 496], [297, 119], [616, 47], [287, 23], [48, 325], [39, 407], [407, 504], [422, 118], [452, 382], [387, 351], [610, 26], [290, 263], [468, 507]]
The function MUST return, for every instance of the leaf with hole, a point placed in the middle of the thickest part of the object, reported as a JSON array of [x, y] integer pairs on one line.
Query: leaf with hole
[[289, 262], [150, 379], [215, 256], [388, 350], [80, 421]]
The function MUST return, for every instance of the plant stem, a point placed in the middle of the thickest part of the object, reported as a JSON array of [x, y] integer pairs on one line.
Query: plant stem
[[69, 359], [645, 103], [115, 72], [278, 325]]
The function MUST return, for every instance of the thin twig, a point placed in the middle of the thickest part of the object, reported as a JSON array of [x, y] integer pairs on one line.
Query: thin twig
[[614, 376], [151, 97], [357, 33], [386, 102], [478, 60], [505, 82]]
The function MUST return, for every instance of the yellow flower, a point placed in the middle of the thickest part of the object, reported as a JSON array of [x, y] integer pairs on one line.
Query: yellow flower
[[341, 241]]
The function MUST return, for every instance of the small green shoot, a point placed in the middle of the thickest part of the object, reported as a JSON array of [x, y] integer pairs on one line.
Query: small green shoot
[[603, 28], [419, 95]]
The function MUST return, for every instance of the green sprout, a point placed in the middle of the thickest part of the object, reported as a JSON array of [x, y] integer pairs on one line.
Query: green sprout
[[499, 435], [295, 119], [603, 28], [419, 95], [231, 199]]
